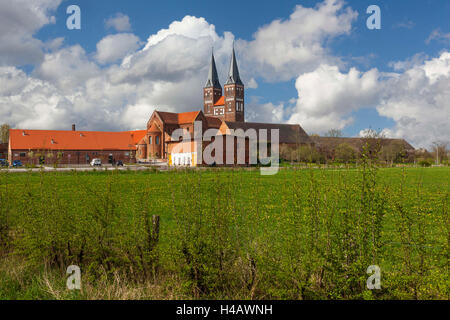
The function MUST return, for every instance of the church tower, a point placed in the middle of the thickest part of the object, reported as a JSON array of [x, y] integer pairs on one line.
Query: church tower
[[212, 92], [234, 94]]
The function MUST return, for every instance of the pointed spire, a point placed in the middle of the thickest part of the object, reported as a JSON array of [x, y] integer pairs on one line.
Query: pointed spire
[[213, 78], [233, 74]]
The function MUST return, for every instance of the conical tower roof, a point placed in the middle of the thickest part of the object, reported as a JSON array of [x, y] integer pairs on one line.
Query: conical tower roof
[[213, 78], [233, 74]]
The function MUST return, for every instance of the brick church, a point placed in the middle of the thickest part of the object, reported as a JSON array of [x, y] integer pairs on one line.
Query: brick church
[[223, 111]]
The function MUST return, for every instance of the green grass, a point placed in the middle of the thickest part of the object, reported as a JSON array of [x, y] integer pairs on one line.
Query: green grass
[[300, 234]]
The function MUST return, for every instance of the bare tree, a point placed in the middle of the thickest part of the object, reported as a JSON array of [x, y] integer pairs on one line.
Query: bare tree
[[440, 151], [4, 132], [335, 133]]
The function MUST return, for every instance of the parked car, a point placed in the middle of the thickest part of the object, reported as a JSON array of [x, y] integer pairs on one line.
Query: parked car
[[4, 163], [96, 162], [17, 163]]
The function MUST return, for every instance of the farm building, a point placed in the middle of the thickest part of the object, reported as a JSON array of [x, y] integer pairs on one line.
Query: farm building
[[72, 147]]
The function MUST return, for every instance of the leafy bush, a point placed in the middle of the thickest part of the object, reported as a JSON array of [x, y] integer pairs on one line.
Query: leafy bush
[[425, 163]]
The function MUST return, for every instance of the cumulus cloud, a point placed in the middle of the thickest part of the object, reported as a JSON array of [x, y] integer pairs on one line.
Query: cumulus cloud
[[327, 97], [18, 22], [418, 100], [119, 22], [114, 47], [168, 75], [189, 27], [284, 49], [67, 68]]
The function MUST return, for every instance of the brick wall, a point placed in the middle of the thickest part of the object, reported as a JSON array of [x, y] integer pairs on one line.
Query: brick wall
[[3, 151], [72, 156]]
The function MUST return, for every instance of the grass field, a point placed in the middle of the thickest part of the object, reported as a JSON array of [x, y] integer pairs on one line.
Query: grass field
[[226, 234]]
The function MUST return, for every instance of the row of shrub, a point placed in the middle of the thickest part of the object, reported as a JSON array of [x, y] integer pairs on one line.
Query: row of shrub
[[302, 234]]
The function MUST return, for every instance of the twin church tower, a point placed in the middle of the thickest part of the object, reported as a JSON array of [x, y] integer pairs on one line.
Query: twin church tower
[[227, 106]]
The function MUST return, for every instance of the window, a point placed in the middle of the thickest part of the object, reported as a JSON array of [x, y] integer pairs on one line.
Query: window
[[218, 111], [229, 106], [149, 140], [157, 139], [22, 154]]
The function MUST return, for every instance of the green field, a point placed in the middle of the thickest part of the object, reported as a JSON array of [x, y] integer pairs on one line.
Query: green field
[[226, 234]]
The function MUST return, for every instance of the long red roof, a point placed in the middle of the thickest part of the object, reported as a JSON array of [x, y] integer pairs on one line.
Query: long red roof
[[74, 140]]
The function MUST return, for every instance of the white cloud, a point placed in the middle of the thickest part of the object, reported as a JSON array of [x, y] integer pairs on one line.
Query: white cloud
[[415, 60], [67, 68], [264, 112], [252, 84], [114, 47], [167, 76], [286, 48], [119, 22], [419, 102], [18, 22], [438, 35], [418, 99], [327, 97], [189, 26]]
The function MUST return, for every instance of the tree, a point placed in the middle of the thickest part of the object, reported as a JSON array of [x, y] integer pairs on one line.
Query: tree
[[439, 151], [393, 151], [372, 143], [335, 133], [344, 153], [4, 132]]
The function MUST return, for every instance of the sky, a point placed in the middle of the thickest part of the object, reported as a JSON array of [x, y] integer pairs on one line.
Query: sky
[[315, 63]]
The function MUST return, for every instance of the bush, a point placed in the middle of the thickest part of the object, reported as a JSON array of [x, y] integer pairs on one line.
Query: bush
[[425, 163]]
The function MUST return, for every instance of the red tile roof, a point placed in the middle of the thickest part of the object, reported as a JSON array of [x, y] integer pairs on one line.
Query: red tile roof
[[220, 102], [74, 140], [178, 118]]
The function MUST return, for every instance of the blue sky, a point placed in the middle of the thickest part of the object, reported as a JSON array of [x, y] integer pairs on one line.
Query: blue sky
[[412, 33]]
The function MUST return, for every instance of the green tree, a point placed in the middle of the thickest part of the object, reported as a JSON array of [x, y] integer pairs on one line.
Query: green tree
[[344, 153]]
